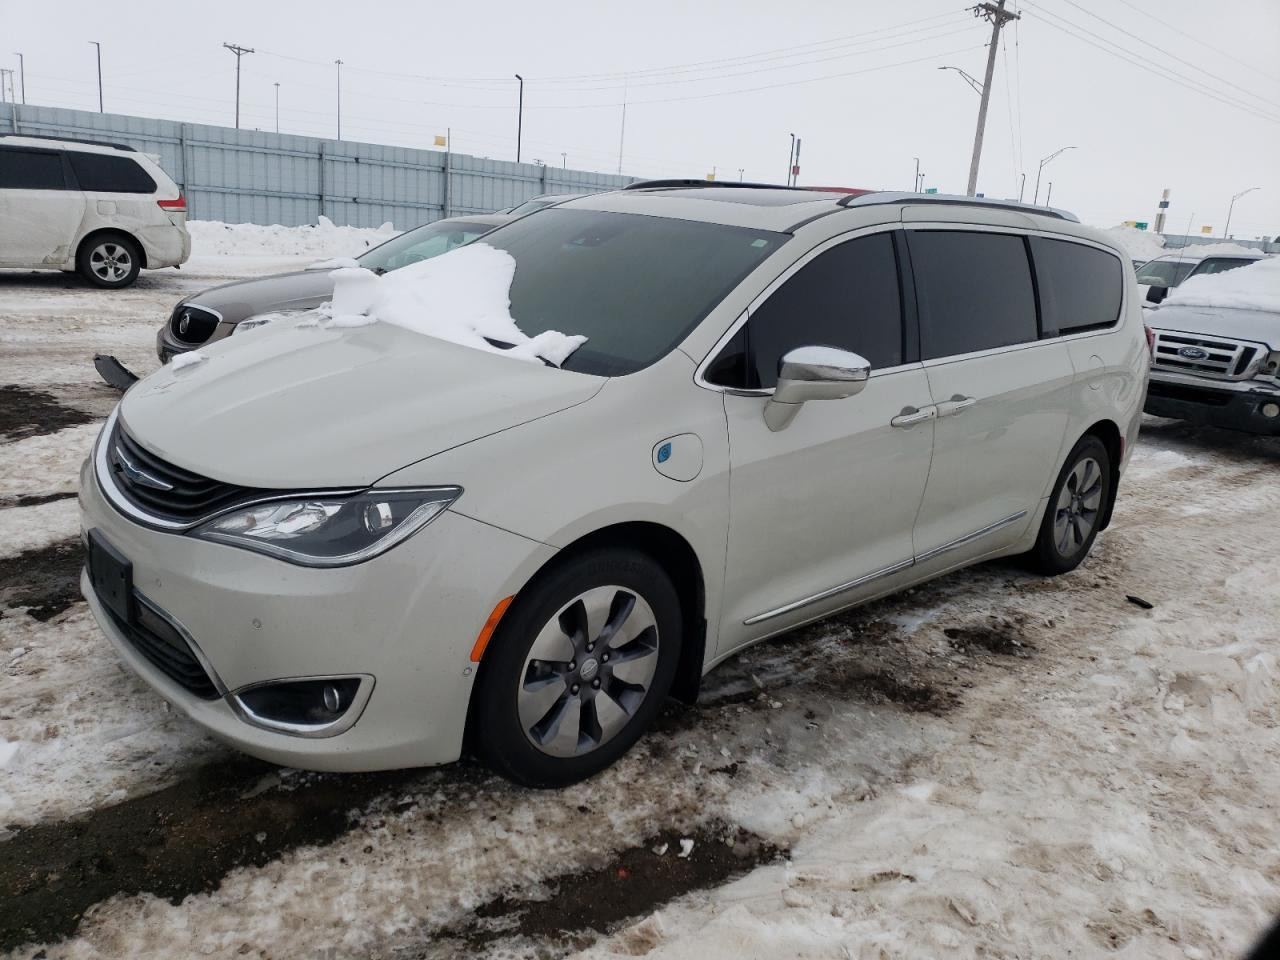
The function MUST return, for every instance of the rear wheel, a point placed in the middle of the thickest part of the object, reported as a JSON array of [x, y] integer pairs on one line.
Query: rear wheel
[[109, 260], [579, 668], [1076, 506]]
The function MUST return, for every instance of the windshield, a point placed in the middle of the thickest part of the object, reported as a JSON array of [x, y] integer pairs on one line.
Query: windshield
[[1165, 273], [422, 244], [634, 286], [1220, 264]]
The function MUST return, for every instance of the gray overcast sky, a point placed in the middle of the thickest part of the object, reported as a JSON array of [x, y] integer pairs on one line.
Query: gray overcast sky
[[858, 81]]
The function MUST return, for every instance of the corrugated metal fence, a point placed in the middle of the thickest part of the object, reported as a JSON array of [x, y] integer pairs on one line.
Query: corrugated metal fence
[[247, 176]]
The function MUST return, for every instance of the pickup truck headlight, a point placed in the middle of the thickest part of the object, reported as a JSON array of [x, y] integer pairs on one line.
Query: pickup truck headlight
[[319, 530]]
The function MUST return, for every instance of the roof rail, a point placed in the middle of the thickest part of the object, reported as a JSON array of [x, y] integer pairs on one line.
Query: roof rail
[[690, 183], [92, 143], [869, 199]]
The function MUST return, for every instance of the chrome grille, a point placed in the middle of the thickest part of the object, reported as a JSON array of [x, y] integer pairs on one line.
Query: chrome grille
[[192, 324], [1217, 357]]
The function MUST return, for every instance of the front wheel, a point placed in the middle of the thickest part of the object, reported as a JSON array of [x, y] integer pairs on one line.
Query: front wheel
[[111, 261], [578, 669], [1075, 510]]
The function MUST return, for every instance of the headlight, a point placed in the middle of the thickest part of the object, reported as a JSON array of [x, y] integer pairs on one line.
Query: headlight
[[330, 531], [262, 319]]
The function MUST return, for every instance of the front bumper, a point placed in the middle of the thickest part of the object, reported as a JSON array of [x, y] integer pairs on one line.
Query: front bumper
[[407, 618], [1232, 405]]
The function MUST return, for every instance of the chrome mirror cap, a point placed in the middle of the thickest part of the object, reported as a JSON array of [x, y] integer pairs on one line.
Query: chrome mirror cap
[[814, 373]]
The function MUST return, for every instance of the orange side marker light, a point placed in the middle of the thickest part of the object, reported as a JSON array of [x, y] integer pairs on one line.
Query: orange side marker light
[[490, 625]]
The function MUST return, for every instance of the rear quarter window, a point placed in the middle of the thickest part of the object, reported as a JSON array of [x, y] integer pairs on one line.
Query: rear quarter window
[[1081, 287], [104, 173]]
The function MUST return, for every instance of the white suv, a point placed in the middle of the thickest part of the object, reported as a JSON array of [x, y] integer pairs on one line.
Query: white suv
[[352, 546], [100, 208]]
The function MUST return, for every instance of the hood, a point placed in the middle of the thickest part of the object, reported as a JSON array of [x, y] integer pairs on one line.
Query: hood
[[1260, 326], [297, 406], [281, 291]]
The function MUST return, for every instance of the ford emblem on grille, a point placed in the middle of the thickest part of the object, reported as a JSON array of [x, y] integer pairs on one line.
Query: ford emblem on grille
[[185, 323], [1193, 353], [136, 475]]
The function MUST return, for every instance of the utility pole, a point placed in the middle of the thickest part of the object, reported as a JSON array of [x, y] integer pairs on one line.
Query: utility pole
[[916, 179], [564, 160], [239, 51], [999, 16], [520, 122], [1225, 235], [277, 107], [795, 166], [338, 64], [6, 76], [622, 135], [741, 171], [1022, 185], [1048, 194], [99, 46], [791, 158], [22, 76], [1039, 170]]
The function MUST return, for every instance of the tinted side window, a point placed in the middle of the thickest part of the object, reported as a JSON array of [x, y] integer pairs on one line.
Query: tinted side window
[[31, 170], [1080, 287], [847, 298], [974, 291], [101, 173]]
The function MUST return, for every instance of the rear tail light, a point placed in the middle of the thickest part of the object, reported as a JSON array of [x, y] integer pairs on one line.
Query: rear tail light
[[1151, 339], [174, 206]]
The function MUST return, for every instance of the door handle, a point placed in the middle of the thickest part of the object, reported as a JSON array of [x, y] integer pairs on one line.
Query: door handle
[[957, 404], [910, 416]]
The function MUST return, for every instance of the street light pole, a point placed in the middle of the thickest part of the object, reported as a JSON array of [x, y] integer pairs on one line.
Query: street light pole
[[338, 64], [916, 179], [1036, 198], [1229, 209], [741, 171], [1022, 185], [791, 158], [99, 46], [520, 118], [22, 76], [996, 13], [1048, 193], [277, 107]]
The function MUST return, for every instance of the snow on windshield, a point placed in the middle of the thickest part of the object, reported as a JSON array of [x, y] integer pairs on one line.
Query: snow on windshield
[[462, 296], [1254, 287]]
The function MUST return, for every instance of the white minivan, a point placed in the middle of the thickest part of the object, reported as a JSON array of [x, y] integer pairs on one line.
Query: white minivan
[[340, 542], [102, 209]]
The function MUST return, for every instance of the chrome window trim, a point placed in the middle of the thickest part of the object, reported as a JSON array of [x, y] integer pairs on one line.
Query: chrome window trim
[[884, 571], [699, 375], [315, 731], [958, 227]]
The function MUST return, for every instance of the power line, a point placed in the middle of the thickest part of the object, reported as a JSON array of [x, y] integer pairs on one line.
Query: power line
[[1172, 56], [1164, 73], [1234, 58]]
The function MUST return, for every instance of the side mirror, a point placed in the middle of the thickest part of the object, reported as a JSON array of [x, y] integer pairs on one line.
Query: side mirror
[[813, 373], [1156, 294]]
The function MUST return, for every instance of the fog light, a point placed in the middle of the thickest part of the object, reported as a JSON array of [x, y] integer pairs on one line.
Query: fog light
[[1271, 410], [307, 708]]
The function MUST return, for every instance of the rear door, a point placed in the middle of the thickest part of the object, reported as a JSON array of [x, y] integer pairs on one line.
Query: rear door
[[1002, 392], [40, 212], [821, 511]]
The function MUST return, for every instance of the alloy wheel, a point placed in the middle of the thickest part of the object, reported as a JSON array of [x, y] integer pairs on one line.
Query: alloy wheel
[[590, 668], [110, 262], [1076, 511]]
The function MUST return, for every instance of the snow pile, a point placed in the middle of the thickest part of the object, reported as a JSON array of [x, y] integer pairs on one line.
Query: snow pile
[[188, 359], [462, 296], [1255, 287], [323, 239], [1139, 244]]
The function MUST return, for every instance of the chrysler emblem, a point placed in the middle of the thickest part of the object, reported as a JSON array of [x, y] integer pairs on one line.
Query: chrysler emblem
[[136, 475], [185, 322], [1193, 353]]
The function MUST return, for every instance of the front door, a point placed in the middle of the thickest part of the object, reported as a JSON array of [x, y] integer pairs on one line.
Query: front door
[[821, 512], [1002, 394]]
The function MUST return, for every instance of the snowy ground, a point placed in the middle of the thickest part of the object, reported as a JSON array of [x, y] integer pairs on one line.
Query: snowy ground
[[993, 765]]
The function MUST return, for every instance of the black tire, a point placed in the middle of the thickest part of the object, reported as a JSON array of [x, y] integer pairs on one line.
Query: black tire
[[1075, 510], [507, 671], [109, 260]]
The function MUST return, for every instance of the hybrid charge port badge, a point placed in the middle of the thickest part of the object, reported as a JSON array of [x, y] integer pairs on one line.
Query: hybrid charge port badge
[[678, 457]]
